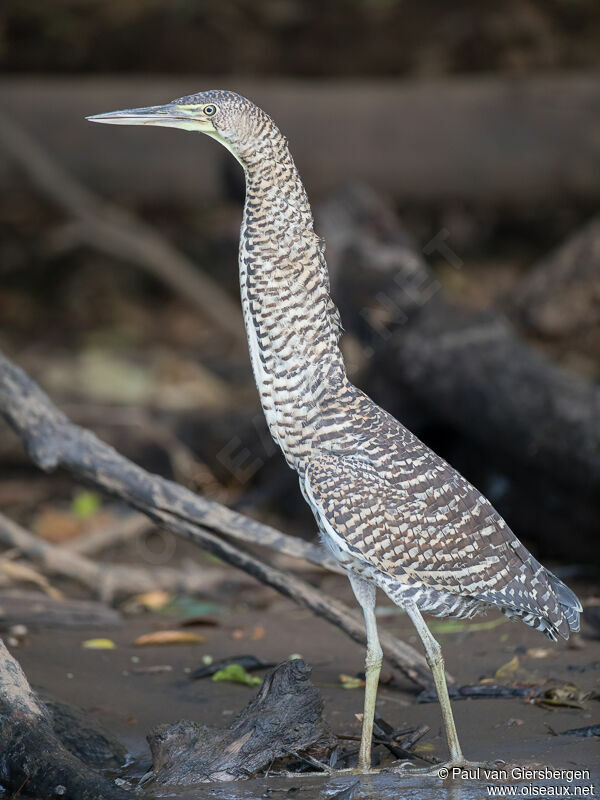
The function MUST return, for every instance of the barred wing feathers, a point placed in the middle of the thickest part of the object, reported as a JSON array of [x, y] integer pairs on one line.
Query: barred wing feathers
[[437, 530]]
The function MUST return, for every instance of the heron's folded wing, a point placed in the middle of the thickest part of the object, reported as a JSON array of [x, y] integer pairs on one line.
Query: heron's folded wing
[[440, 531]]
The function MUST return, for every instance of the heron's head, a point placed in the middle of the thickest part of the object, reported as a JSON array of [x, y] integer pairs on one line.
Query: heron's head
[[226, 116]]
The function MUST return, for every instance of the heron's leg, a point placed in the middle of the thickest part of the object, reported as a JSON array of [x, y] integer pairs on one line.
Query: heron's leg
[[433, 653], [365, 594]]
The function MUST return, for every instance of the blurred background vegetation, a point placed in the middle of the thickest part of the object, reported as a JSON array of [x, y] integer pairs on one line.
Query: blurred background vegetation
[[124, 352], [309, 38]]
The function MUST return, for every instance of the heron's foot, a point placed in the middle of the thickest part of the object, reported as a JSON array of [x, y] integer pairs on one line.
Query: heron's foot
[[358, 770], [363, 769], [332, 772], [455, 768]]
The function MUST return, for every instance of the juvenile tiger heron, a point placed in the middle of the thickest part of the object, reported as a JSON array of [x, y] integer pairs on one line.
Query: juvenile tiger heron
[[393, 513]]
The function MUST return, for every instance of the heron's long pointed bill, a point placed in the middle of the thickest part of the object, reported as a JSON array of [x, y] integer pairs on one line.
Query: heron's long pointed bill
[[168, 116]]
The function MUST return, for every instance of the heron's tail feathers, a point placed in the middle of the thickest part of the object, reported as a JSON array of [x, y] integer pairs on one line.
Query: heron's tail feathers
[[567, 600], [557, 615]]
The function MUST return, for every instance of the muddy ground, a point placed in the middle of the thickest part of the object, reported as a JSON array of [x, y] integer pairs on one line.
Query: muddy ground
[[110, 685]]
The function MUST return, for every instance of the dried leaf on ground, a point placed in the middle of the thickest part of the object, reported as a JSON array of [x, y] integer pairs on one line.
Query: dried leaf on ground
[[86, 504], [538, 652], [249, 663], [508, 671], [154, 669], [423, 747], [99, 644], [351, 681], [152, 601], [566, 695], [511, 675], [188, 606], [168, 638], [56, 525]]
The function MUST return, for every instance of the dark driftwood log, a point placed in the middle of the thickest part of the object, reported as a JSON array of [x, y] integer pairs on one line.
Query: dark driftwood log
[[52, 440], [284, 718], [561, 295], [466, 368], [474, 371], [33, 760], [86, 739]]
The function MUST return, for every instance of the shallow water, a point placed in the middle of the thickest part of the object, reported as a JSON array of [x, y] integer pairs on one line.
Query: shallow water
[[383, 787]]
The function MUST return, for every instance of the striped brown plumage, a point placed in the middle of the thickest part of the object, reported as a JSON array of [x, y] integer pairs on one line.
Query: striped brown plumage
[[389, 508], [395, 514]]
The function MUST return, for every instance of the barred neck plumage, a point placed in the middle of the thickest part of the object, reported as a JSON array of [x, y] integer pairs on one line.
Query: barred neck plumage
[[291, 321]]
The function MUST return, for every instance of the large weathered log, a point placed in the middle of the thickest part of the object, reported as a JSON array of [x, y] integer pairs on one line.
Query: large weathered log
[[284, 718], [33, 760], [560, 296], [473, 370], [53, 441], [84, 736]]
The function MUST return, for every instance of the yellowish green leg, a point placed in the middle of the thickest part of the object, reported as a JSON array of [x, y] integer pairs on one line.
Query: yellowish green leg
[[435, 660], [433, 653], [365, 594]]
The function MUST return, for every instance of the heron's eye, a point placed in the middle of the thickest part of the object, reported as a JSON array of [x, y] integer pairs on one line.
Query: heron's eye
[[210, 111]]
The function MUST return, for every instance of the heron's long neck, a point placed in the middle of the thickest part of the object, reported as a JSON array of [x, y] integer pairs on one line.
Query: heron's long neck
[[290, 319]]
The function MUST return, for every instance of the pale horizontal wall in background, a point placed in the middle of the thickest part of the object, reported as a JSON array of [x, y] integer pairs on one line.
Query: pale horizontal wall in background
[[494, 138]]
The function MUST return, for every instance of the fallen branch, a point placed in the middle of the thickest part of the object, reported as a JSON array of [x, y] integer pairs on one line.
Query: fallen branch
[[589, 730], [44, 431], [32, 757], [118, 533], [15, 572], [412, 738], [52, 441], [107, 581], [34, 610], [112, 230], [399, 747]]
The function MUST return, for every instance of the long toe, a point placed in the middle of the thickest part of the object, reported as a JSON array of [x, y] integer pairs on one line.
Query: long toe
[[472, 770], [334, 773]]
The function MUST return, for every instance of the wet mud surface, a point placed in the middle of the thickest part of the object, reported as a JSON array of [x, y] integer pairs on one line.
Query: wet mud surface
[[130, 690]]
